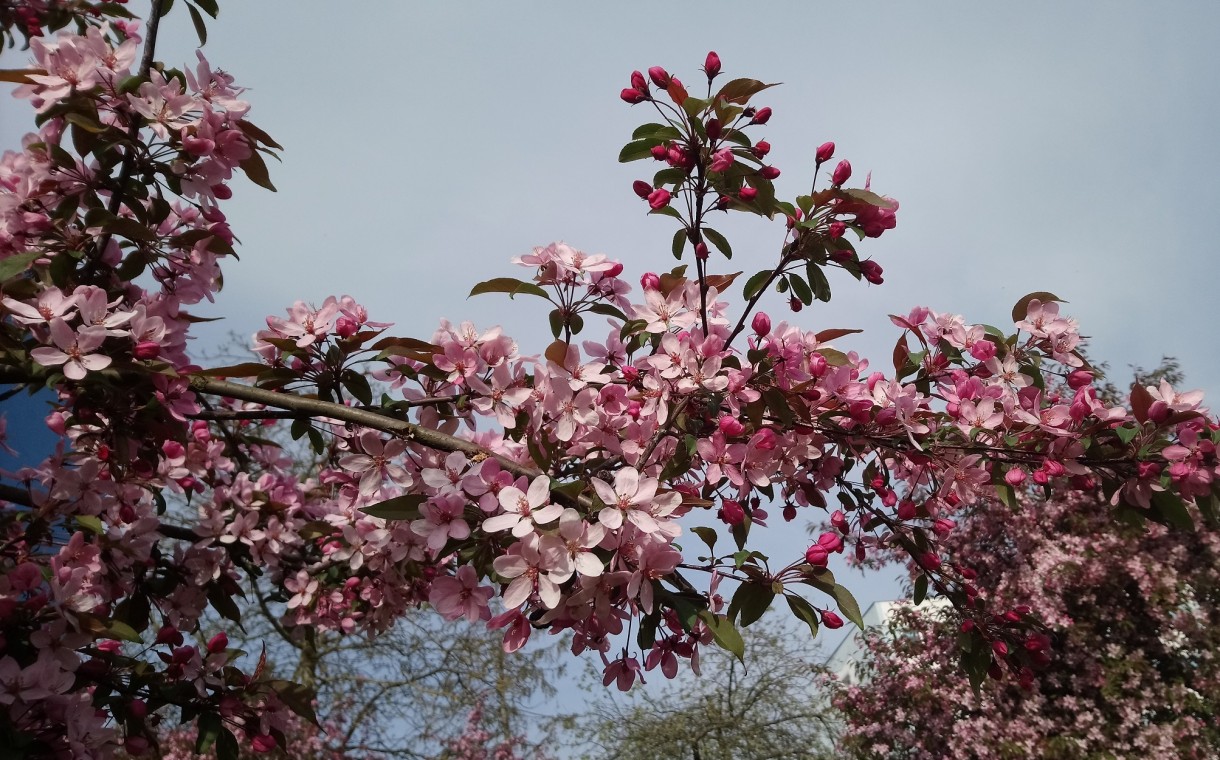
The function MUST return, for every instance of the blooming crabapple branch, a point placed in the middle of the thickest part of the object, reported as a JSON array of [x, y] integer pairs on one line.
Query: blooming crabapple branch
[[432, 439]]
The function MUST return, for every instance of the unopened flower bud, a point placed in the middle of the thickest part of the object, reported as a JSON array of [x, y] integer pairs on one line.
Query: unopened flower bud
[[218, 643], [659, 198], [659, 76], [835, 230], [1149, 470], [1000, 648], [831, 620], [1079, 379], [137, 708], [769, 172], [817, 555], [761, 149], [795, 304], [711, 65], [825, 152], [839, 520], [146, 349], [659, 152], [761, 116], [263, 743], [638, 82], [1159, 411], [761, 323], [616, 268], [747, 193], [722, 160], [136, 745], [1015, 476], [730, 425], [650, 281], [831, 542], [842, 173], [871, 271], [713, 129], [732, 513], [967, 626], [906, 509], [701, 251], [641, 188], [346, 327], [632, 96]]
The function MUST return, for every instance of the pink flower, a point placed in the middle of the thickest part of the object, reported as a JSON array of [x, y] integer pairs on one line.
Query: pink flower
[[375, 464], [74, 350], [460, 595], [722, 160], [633, 498], [524, 511]]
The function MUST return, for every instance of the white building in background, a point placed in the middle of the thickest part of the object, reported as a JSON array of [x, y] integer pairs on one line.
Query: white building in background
[[843, 660]]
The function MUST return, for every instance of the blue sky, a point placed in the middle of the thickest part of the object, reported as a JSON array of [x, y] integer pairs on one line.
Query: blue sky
[[1033, 146]]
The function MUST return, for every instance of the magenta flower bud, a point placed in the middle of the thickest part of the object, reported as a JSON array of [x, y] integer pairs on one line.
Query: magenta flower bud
[[632, 96], [701, 251], [967, 626], [871, 271], [169, 635], [1158, 411], [835, 230], [1079, 379], [659, 152], [638, 82], [765, 440], [839, 520], [825, 152], [831, 542], [842, 173], [747, 193], [711, 65], [929, 561], [730, 425], [218, 643], [146, 349], [761, 116], [831, 620], [136, 745], [769, 172], [616, 268], [222, 191], [641, 188], [713, 129], [732, 513], [263, 743], [346, 327], [943, 527], [659, 198], [983, 350], [650, 281], [817, 555], [1148, 470], [1015, 476], [761, 149], [722, 160], [1000, 648], [659, 77], [137, 708], [795, 304], [761, 323], [817, 364], [906, 509]]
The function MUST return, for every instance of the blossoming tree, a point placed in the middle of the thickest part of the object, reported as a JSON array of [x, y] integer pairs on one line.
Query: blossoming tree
[[572, 487]]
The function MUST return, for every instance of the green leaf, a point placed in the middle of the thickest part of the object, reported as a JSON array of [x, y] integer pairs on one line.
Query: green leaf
[[804, 611], [117, 629], [90, 523], [679, 243], [256, 169], [15, 265], [358, 385], [1171, 510], [223, 603], [725, 635], [78, 119], [921, 590], [708, 535], [869, 197], [740, 91], [637, 149], [1127, 433], [405, 507], [510, 285], [165, 9], [663, 131], [298, 697], [848, 605], [756, 283], [208, 6], [750, 602], [201, 29], [209, 730], [606, 310], [257, 135], [801, 288], [669, 177], [818, 282], [720, 241], [227, 747], [1008, 496]]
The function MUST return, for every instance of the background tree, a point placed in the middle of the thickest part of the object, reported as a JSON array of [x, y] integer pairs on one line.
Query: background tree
[[774, 708], [1132, 616]]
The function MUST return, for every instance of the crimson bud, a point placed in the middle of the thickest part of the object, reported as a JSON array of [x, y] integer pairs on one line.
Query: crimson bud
[[218, 643], [835, 230], [761, 116], [659, 198], [825, 152], [641, 188], [633, 96], [732, 513], [650, 281], [817, 555], [747, 193], [842, 172], [831, 620], [761, 323], [871, 271], [638, 82], [769, 172], [761, 149], [659, 76], [713, 129], [711, 65], [659, 152]]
